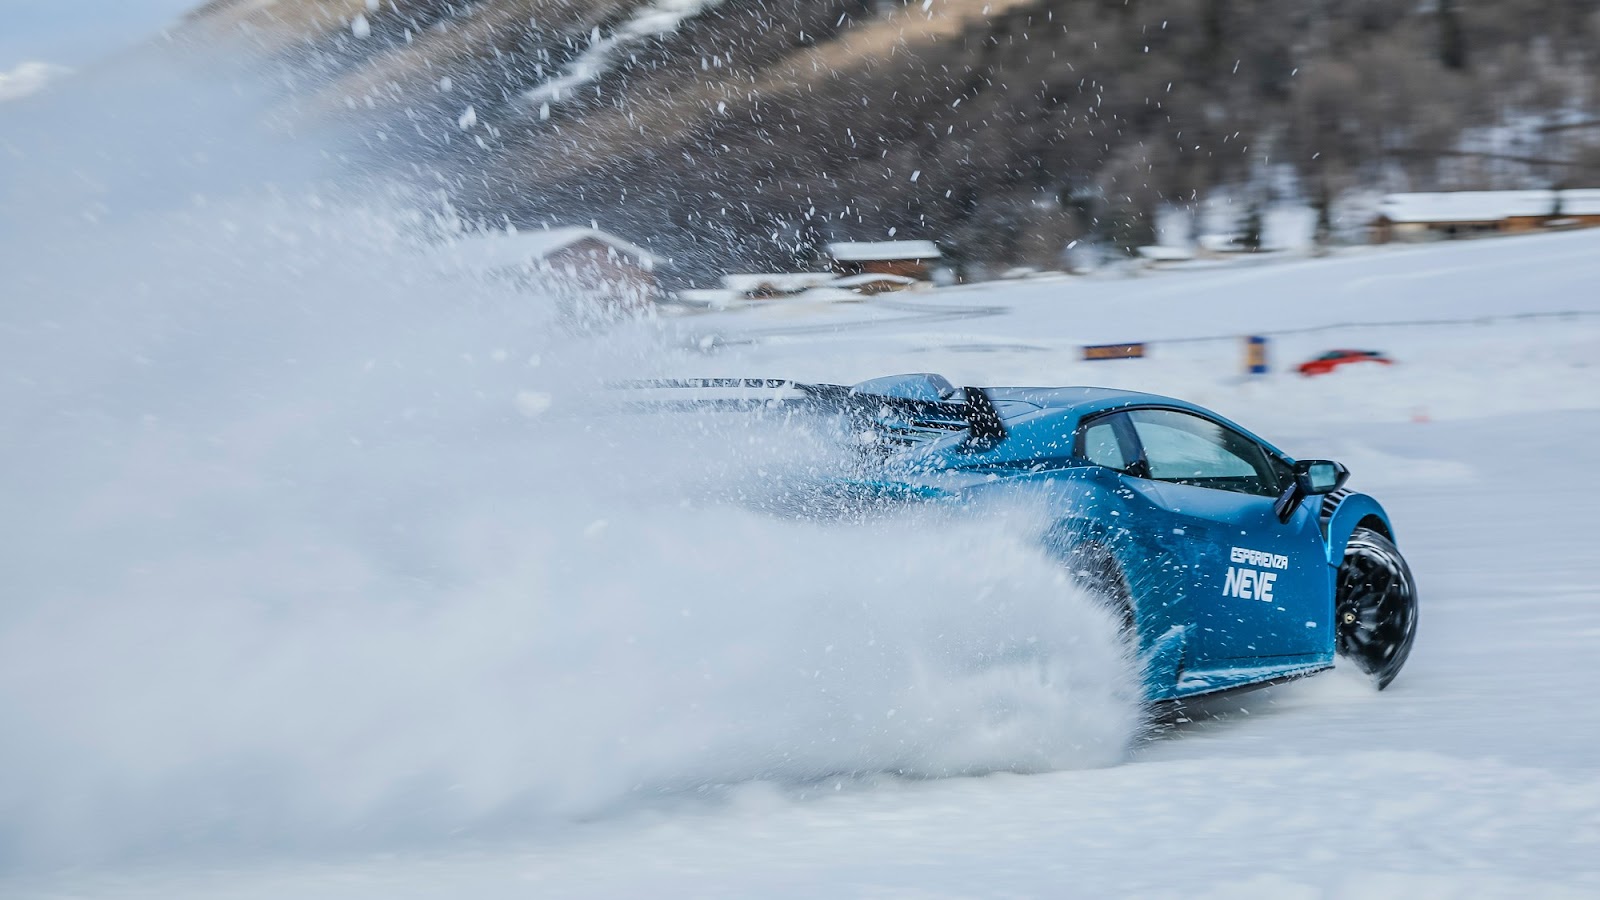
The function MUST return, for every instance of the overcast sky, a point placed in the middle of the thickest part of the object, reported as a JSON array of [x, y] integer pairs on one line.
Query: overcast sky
[[77, 32]]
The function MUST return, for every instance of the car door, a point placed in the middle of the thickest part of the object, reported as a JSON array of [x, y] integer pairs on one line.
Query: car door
[[1131, 518], [1257, 586]]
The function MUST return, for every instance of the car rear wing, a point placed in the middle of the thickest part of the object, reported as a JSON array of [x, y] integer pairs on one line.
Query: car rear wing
[[898, 418]]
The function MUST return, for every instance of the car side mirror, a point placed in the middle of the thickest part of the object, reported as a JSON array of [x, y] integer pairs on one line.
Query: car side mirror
[[1311, 477], [1319, 476]]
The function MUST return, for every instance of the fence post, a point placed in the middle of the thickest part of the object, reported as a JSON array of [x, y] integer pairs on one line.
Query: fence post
[[1255, 355]]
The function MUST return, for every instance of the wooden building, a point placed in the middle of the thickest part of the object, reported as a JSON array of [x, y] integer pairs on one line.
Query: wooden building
[[910, 259], [589, 272], [870, 283], [773, 285], [1457, 214], [1576, 208]]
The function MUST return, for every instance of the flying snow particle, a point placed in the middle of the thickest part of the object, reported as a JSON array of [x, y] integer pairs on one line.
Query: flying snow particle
[[544, 111], [360, 27], [533, 403], [446, 84], [372, 5], [468, 118], [915, 175], [892, 231], [28, 78]]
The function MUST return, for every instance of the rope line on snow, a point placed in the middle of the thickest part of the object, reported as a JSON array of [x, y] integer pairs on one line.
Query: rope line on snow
[[1312, 329]]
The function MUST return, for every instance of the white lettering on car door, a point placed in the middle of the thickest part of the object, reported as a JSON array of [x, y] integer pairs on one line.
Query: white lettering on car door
[[1259, 558], [1250, 584]]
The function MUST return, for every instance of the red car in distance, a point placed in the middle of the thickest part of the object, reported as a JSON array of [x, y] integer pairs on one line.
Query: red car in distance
[[1333, 359]]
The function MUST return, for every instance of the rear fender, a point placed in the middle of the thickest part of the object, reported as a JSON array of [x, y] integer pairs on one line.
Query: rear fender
[[1093, 520], [1077, 531], [1161, 645], [1343, 515], [1163, 662]]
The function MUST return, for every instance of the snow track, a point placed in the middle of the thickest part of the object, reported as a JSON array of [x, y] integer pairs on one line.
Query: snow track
[[1473, 776]]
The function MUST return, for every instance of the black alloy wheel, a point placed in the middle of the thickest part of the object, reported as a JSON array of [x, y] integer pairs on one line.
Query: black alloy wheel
[[1376, 606]]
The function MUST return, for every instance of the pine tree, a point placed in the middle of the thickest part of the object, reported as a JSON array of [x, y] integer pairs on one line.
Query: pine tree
[[1452, 44], [1250, 232]]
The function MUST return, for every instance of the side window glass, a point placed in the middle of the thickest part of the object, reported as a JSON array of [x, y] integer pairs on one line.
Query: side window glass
[[1187, 449], [1099, 444]]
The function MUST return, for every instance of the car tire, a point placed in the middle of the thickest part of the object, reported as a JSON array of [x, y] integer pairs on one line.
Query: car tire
[[1095, 571], [1375, 606]]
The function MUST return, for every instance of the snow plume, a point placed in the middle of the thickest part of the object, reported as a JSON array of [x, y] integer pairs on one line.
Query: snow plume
[[307, 546], [28, 78]]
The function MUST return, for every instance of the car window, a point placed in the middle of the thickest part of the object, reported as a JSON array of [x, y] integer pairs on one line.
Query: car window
[[1098, 443], [1188, 449]]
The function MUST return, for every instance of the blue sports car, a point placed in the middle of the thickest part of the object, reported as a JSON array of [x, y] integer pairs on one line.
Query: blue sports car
[[1231, 564]]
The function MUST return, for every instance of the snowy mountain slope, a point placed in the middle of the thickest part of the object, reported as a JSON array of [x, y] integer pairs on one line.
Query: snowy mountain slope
[[740, 134]]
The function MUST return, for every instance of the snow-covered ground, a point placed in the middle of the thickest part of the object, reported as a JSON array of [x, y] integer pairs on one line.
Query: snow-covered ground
[[545, 677], [1477, 327]]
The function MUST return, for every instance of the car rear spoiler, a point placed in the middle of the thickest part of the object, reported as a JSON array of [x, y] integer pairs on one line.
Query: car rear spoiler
[[897, 413]]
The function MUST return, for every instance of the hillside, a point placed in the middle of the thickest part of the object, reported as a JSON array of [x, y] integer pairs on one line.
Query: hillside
[[750, 132]]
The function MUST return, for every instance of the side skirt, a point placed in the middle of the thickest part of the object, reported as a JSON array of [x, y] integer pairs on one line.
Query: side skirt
[[1175, 711], [1219, 681]]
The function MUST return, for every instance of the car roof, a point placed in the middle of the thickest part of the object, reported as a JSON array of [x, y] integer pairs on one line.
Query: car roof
[[1084, 399], [1033, 426], [1034, 417]]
